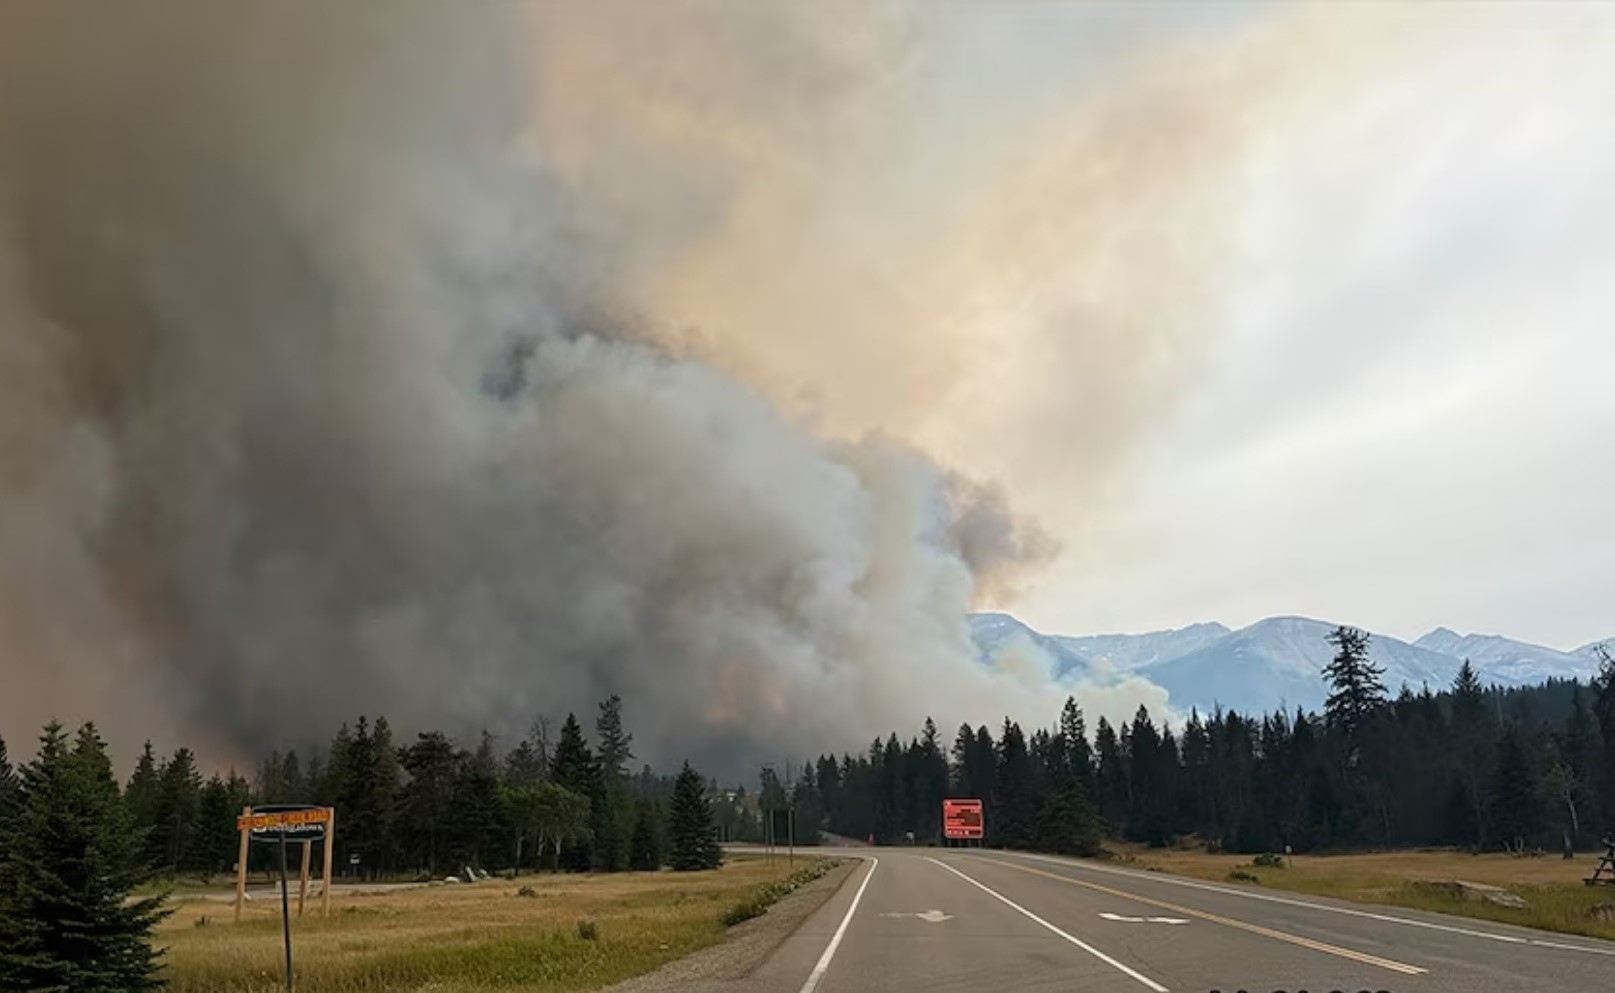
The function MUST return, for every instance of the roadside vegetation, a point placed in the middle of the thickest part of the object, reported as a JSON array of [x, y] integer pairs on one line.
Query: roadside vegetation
[[552, 932], [1551, 888]]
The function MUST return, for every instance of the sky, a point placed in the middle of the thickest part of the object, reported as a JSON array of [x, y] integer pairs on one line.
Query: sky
[[477, 367], [1391, 400], [1405, 415]]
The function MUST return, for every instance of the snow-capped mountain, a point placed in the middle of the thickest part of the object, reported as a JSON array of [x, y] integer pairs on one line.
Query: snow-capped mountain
[[1504, 660], [1278, 662], [1130, 651], [994, 633], [1590, 650]]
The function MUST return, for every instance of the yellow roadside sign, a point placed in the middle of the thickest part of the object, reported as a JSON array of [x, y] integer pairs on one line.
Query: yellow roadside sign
[[283, 819]]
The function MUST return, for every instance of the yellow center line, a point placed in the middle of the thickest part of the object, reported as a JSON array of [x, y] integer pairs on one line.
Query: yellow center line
[[1294, 939]]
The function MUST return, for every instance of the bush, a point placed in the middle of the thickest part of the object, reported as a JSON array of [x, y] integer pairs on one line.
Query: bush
[[767, 894], [745, 910], [588, 930], [1241, 876], [1267, 860], [527, 891]]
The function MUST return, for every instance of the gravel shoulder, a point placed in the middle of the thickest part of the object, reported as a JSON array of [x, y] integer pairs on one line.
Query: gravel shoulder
[[747, 946]]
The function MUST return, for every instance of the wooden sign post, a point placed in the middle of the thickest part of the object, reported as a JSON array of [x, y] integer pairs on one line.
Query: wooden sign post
[[280, 824], [241, 865], [302, 876]]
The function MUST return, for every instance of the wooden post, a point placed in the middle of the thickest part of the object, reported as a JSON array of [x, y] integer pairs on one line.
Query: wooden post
[[330, 851], [302, 882], [241, 866]]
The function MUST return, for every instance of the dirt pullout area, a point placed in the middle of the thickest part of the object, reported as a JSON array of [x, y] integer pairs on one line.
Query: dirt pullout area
[[724, 968]]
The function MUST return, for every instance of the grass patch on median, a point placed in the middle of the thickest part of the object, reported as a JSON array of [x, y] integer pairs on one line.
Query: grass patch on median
[[1555, 897], [575, 932], [767, 894]]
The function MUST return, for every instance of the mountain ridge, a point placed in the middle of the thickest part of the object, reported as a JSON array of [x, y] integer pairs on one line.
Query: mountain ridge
[[1277, 662]]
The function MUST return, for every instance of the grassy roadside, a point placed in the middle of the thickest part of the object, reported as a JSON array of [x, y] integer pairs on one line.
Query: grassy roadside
[[1555, 897], [570, 932]]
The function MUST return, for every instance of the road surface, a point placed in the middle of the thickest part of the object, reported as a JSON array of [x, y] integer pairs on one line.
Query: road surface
[[943, 920]]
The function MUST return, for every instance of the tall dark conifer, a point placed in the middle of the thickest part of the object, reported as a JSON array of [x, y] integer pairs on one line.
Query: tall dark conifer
[[69, 862]]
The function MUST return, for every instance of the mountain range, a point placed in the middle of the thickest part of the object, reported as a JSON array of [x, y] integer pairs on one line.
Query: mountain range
[[1276, 662]]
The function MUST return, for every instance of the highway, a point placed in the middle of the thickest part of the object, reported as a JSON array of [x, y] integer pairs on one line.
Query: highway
[[943, 920]]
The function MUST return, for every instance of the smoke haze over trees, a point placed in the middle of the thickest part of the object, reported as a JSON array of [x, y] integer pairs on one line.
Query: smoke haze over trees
[[343, 368]]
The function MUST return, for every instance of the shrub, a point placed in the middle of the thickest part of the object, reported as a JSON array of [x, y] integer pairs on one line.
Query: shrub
[[1267, 860], [527, 891], [588, 930], [1241, 876]]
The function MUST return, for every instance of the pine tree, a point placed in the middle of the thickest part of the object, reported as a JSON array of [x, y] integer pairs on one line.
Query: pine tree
[[1111, 775], [1515, 809], [573, 768], [1014, 803], [1604, 718], [1579, 747], [68, 865], [648, 849], [427, 799], [179, 798], [1473, 734], [612, 807], [10, 788], [214, 848], [930, 784], [693, 843], [1356, 689], [1068, 823], [1074, 736], [476, 810], [140, 797]]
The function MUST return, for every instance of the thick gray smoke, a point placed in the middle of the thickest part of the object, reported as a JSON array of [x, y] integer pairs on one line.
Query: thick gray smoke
[[320, 395]]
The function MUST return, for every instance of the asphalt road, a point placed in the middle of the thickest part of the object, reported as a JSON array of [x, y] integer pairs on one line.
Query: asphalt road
[[993, 922]]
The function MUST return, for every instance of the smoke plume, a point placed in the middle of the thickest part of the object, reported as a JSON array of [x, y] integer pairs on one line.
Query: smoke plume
[[360, 360]]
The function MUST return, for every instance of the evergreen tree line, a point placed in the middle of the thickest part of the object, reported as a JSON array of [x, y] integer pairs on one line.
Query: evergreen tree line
[[429, 806], [74, 846], [1471, 766]]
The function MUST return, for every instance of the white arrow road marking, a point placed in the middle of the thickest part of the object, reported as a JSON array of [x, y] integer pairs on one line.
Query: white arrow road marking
[[934, 916], [1144, 920]]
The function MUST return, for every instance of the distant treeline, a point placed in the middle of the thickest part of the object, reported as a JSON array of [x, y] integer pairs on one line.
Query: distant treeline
[[430, 806], [1470, 766]]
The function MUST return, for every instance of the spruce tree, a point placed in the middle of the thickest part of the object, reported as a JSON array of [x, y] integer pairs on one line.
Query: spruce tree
[[140, 797], [1472, 735], [1356, 690], [1014, 802], [1515, 809], [10, 786], [611, 806], [693, 843], [179, 801], [574, 768], [69, 862], [1068, 823], [647, 851]]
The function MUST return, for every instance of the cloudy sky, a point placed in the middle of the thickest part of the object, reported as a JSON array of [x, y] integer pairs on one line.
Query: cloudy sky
[[1256, 309], [1372, 246], [1121, 317]]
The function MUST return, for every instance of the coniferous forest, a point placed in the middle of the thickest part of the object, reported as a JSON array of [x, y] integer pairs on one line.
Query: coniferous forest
[[1467, 766]]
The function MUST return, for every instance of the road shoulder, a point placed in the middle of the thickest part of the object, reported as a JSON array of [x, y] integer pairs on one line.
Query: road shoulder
[[746, 946]]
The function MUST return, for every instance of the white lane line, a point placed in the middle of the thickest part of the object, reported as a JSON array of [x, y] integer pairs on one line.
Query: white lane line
[[841, 932], [1385, 918], [1091, 950]]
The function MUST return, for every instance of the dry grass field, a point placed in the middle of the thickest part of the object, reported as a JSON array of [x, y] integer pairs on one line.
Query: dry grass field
[[1556, 899], [575, 932]]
